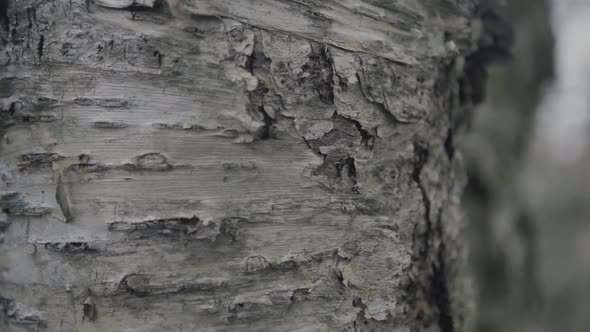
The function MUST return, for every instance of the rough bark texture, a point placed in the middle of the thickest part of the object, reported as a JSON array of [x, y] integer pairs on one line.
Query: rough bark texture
[[234, 165]]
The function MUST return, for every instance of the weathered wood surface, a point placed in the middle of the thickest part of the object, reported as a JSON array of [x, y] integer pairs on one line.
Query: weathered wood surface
[[231, 165]]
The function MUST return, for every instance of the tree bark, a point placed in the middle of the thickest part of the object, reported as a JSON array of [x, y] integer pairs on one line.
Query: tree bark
[[234, 165]]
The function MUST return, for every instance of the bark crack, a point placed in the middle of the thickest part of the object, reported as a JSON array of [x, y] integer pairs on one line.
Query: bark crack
[[40, 46], [388, 115], [432, 250]]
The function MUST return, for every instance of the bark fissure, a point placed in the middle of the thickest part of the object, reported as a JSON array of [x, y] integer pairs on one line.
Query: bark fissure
[[432, 250], [40, 45]]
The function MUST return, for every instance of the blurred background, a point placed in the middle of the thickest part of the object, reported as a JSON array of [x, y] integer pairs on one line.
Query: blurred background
[[528, 154]]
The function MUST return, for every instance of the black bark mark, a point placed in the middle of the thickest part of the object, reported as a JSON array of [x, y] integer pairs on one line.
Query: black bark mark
[[4, 20], [175, 225], [69, 247], [37, 161], [159, 57], [450, 145], [321, 68], [40, 46], [109, 125]]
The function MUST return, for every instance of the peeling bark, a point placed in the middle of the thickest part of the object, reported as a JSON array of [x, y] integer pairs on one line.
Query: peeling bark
[[233, 165]]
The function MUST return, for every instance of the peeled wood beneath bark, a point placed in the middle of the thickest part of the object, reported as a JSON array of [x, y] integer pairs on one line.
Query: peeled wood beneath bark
[[247, 165]]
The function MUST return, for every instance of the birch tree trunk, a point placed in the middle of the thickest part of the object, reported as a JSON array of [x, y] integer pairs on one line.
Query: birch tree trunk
[[233, 165]]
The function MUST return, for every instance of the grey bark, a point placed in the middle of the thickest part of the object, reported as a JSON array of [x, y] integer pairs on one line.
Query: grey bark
[[233, 165]]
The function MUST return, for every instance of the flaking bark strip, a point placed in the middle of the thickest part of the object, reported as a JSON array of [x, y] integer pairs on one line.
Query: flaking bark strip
[[180, 228], [62, 197], [140, 285], [146, 162], [150, 161], [256, 264], [89, 308], [335, 24], [259, 264], [177, 225], [250, 307]]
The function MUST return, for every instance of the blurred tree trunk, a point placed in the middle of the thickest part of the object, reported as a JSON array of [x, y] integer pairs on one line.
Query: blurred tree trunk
[[504, 229], [233, 165]]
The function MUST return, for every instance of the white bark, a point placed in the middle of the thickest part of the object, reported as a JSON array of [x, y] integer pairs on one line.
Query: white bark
[[234, 166]]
